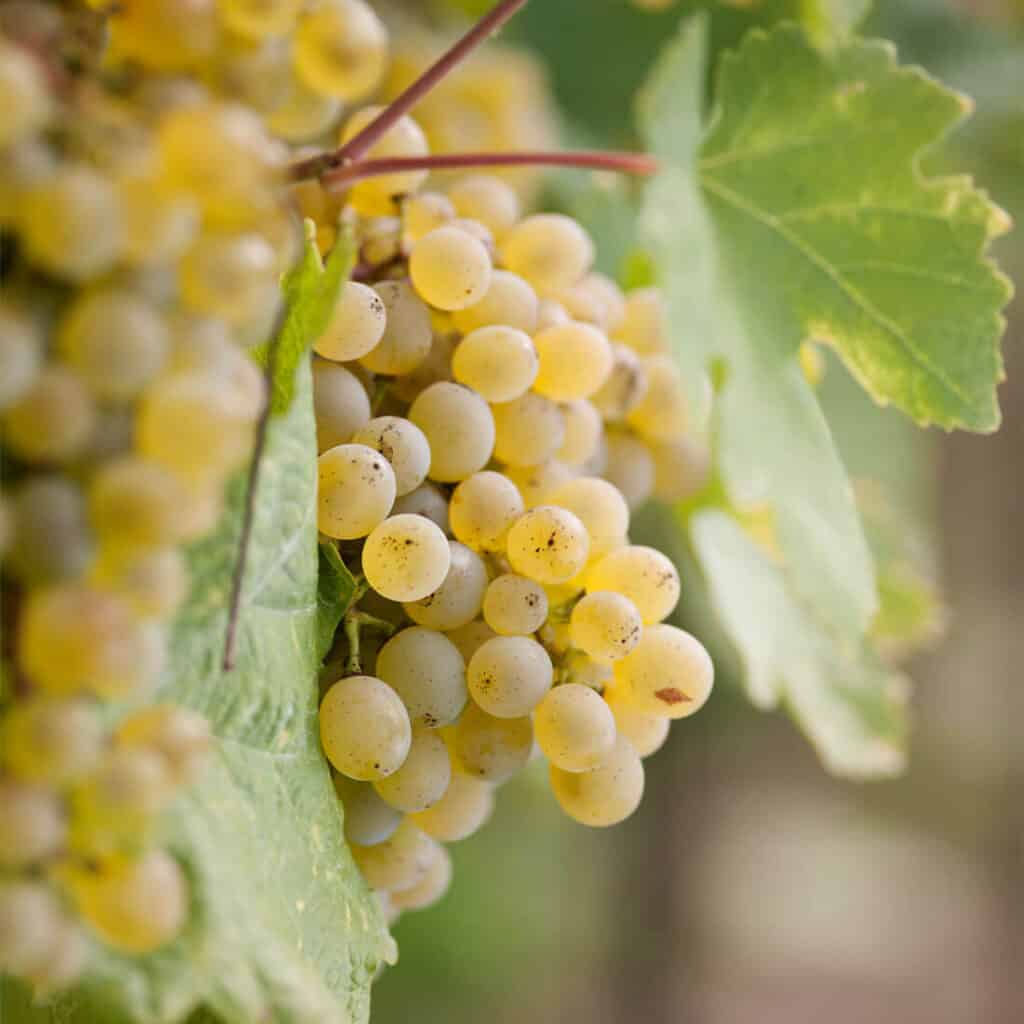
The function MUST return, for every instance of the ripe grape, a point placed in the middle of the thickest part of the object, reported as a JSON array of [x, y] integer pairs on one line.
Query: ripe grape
[[399, 862], [51, 537], [550, 250], [460, 428], [229, 276], [510, 301], [154, 582], [489, 748], [257, 19], [180, 736], [643, 326], [449, 268], [426, 500], [423, 777], [368, 819], [33, 824], [405, 342], [406, 558], [681, 469], [486, 199], [340, 402], [645, 731], [499, 363], [355, 492], [303, 114], [509, 675], [356, 325], [604, 795], [24, 99], [605, 625], [575, 360], [625, 386], [340, 49], [662, 414], [548, 544], [459, 599], [584, 432], [52, 420], [629, 466], [600, 507], [575, 729], [535, 483], [469, 637], [482, 510], [47, 740], [364, 728], [515, 605], [20, 355], [423, 212], [427, 671], [403, 444], [528, 430], [431, 887], [30, 922], [642, 574]]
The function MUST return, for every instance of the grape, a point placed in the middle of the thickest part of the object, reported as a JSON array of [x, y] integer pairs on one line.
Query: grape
[[605, 795], [489, 748], [574, 727], [24, 99], [19, 355], [509, 302], [624, 387], [70, 222], [229, 276], [403, 444], [645, 731], [158, 223], [65, 962], [642, 574], [154, 582], [449, 268], [381, 241], [257, 19], [341, 404], [429, 674], [204, 346], [130, 782], [406, 558], [50, 741], [662, 414], [135, 503], [356, 325], [51, 535], [398, 862], [509, 675], [135, 905], [368, 819], [436, 367], [575, 360], [460, 428], [165, 35], [355, 492], [33, 824], [458, 600], [378, 196], [551, 314], [668, 673], [431, 887], [407, 336], [30, 922], [341, 49], [577, 667], [423, 777], [364, 728], [681, 469], [499, 363], [535, 483], [486, 199], [465, 807], [469, 637], [550, 250], [548, 544], [515, 606], [423, 212], [483, 508], [427, 500], [180, 736], [600, 507], [643, 326], [584, 432], [596, 299], [303, 114], [528, 430], [25, 164], [52, 420], [605, 625], [629, 467]]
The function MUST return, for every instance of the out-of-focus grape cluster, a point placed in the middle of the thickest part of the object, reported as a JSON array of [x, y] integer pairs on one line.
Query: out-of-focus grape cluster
[[145, 228]]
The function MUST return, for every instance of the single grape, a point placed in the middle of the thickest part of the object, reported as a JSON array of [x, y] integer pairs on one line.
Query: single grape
[[642, 574], [431, 888], [20, 354], [469, 637], [180, 736], [436, 367], [663, 413], [499, 363], [601, 508], [24, 98], [629, 466], [398, 862], [356, 325], [577, 667], [625, 386], [509, 676], [403, 444], [645, 731], [550, 250], [482, 510], [574, 728], [52, 420], [232, 276], [597, 299], [528, 430], [257, 19], [154, 582], [30, 923], [68, 955], [164, 35], [465, 807], [355, 492], [368, 819], [575, 360], [510, 301], [460, 428], [548, 544], [427, 672], [423, 777], [303, 114], [487, 199], [130, 783], [33, 824], [406, 558], [340, 402], [604, 795], [51, 537], [644, 324], [459, 599], [489, 748], [535, 483], [340, 49], [668, 673], [515, 605], [605, 625], [449, 268], [426, 500], [46, 740], [681, 469], [551, 314], [423, 212], [364, 728], [407, 334], [159, 223], [584, 433]]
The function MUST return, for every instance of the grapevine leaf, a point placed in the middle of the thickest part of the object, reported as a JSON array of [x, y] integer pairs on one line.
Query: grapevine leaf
[[282, 928], [336, 593], [848, 703]]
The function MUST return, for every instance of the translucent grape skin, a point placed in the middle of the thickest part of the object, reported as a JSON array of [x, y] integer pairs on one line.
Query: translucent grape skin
[[604, 795], [356, 489], [509, 301], [605, 625], [668, 673], [406, 558], [427, 671], [380, 195], [449, 268], [642, 574], [398, 862], [584, 432], [182, 737], [460, 428], [487, 199], [52, 420], [340, 49], [364, 728], [403, 444], [30, 920], [356, 326], [45, 740], [489, 748], [34, 826], [431, 888], [509, 676], [423, 777], [548, 544], [498, 362], [459, 599], [599, 506], [550, 250], [645, 731], [428, 501], [368, 819], [464, 808], [575, 728], [469, 637], [629, 467], [407, 335], [483, 508], [340, 402], [575, 361], [528, 430], [514, 605]]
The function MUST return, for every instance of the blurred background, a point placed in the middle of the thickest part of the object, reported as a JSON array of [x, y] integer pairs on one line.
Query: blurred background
[[750, 886]]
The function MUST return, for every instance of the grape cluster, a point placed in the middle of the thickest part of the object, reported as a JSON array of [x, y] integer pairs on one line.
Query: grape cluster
[[145, 228], [490, 410]]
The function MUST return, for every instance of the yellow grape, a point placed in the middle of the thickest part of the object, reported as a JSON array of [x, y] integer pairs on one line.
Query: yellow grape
[[51, 536], [466, 805], [510, 301], [51, 421], [459, 599], [257, 19], [486, 199], [528, 430], [535, 483], [165, 35], [575, 729], [340, 403], [482, 510], [460, 428], [428, 501], [34, 825], [605, 625], [159, 224], [24, 98], [624, 387], [575, 360], [355, 491], [356, 325], [584, 432], [629, 466], [681, 469], [550, 250], [423, 777], [399, 862], [645, 731], [182, 738], [155, 582], [406, 558], [468, 638], [303, 114], [229, 276], [368, 819], [548, 544], [30, 922], [48, 740], [663, 413], [431, 887], [604, 795], [20, 355], [489, 748], [407, 335], [515, 605], [426, 670], [364, 728], [340, 48], [404, 446], [423, 212], [644, 575], [509, 676], [600, 507], [449, 268], [644, 323], [499, 363]]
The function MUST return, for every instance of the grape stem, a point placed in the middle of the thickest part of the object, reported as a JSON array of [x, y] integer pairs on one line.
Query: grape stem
[[355, 622], [316, 166], [596, 160]]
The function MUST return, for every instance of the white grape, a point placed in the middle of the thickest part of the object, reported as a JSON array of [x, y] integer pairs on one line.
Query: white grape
[[460, 428], [574, 727], [356, 325], [355, 492], [423, 777], [449, 268], [515, 606], [403, 444], [642, 574], [604, 795], [482, 510], [548, 544], [459, 599], [498, 362], [428, 673], [341, 404], [406, 558]]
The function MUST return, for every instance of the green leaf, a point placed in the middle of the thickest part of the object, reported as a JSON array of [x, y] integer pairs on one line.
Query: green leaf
[[336, 593], [311, 292], [848, 703], [283, 930]]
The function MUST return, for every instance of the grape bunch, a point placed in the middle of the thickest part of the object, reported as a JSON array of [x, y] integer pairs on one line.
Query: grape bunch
[[489, 411], [144, 229]]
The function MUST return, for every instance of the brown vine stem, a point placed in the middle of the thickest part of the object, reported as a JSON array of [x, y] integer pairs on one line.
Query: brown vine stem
[[316, 166], [597, 160]]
